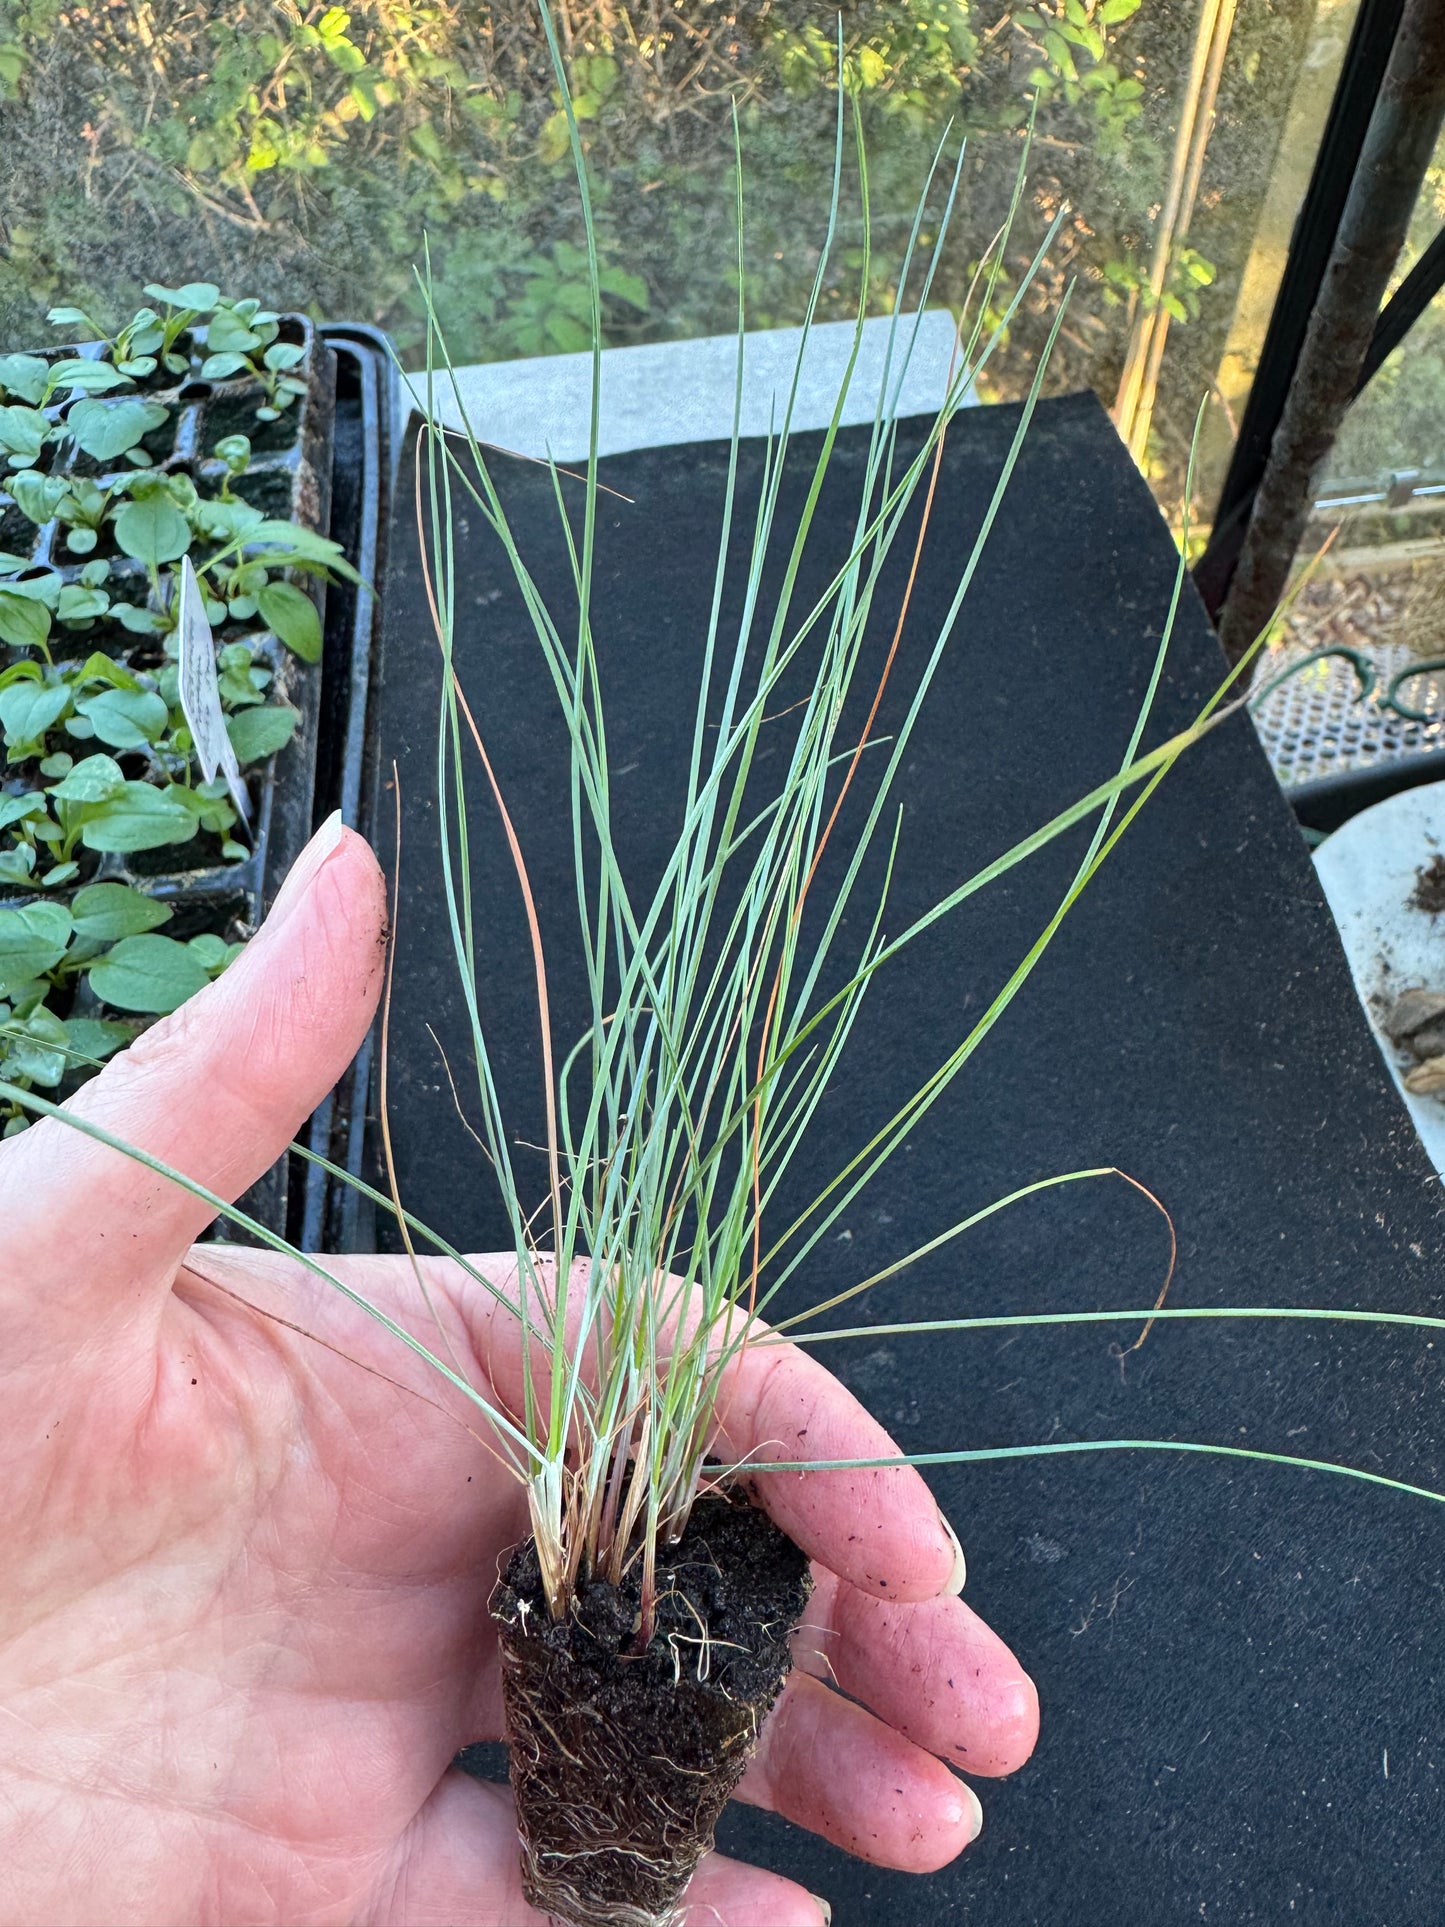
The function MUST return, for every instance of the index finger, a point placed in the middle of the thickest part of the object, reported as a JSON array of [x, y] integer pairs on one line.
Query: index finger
[[878, 1528]]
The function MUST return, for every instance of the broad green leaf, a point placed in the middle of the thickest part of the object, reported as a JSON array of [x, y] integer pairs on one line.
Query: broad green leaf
[[126, 718], [1057, 49], [23, 431], [224, 521], [84, 501], [148, 974], [140, 621], [346, 55], [38, 1053], [257, 733], [38, 588], [210, 951], [227, 333], [630, 288], [282, 355], [291, 614], [140, 818], [302, 542], [102, 668], [25, 376], [37, 496], [112, 910], [92, 377], [24, 622], [567, 334], [234, 451], [17, 865], [196, 295], [177, 488], [81, 605], [16, 809], [107, 429], [185, 798], [152, 530], [1114, 11], [95, 779], [33, 939], [96, 1036], [28, 709], [221, 367]]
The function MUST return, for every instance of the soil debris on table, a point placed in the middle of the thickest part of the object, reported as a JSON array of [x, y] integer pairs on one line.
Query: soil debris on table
[[1429, 892], [1416, 1023]]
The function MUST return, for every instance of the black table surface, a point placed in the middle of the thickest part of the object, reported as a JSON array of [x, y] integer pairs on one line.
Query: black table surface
[[1239, 1664]]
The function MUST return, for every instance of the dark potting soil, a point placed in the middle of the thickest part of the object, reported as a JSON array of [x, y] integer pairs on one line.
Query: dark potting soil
[[235, 414], [17, 531], [621, 1762]]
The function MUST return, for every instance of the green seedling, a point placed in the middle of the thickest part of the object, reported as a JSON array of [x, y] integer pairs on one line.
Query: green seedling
[[241, 340], [107, 936], [52, 718], [148, 341]]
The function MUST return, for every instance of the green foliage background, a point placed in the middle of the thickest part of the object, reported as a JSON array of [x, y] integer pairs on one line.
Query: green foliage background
[[302, 153]]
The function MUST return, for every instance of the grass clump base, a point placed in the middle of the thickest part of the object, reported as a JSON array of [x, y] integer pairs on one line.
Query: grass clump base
[[622, 1759]]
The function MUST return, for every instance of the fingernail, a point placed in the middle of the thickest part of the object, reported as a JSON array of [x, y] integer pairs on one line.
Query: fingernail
[[960, 1568], [825, 1912], [303, 871], [975, 1818]]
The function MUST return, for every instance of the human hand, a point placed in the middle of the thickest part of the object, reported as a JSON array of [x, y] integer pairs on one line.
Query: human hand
[[243, 1600]]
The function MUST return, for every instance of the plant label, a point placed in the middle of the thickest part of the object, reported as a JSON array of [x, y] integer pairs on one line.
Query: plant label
[[201, 693]]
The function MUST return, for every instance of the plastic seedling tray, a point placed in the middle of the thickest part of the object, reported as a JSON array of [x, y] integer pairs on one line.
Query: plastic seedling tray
[[289, 477], [331, 1215]]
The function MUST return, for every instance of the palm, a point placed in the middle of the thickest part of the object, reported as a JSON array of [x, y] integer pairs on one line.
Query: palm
[[243, 1620]]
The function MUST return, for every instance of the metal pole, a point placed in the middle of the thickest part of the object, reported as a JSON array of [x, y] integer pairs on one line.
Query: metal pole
[[1398, 147], [1308, 254]]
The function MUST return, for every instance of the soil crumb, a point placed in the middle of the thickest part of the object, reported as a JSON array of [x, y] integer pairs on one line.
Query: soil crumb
[[1429, 892]]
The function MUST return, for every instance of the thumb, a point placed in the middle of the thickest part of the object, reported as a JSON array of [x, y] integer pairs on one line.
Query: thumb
[[217, 1090]]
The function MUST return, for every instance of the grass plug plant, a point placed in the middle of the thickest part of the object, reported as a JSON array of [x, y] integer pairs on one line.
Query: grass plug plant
[[644, 1625]]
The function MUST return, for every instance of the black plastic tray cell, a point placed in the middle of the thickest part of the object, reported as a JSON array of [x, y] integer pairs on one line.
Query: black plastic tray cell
[[290, 477], [327, 1214]]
